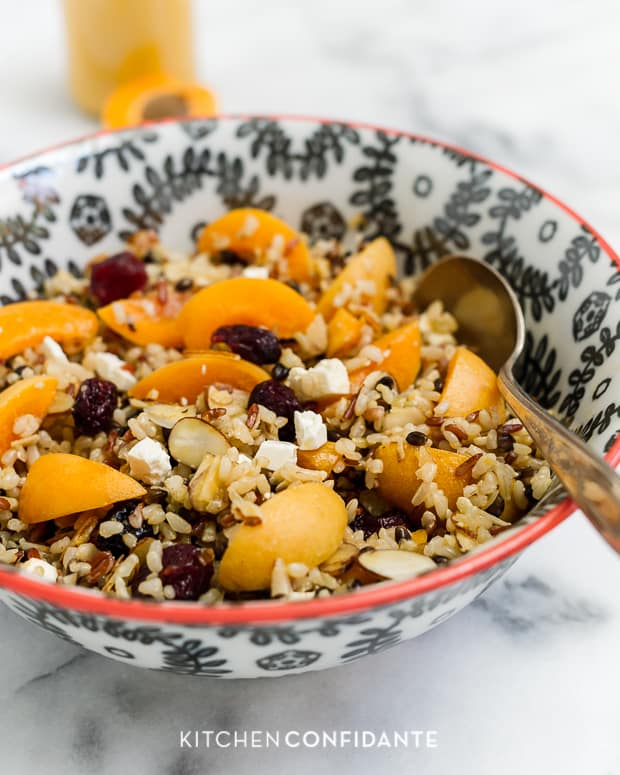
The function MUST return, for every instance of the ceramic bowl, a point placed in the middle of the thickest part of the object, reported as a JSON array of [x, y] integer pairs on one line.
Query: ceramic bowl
[[62, 206]]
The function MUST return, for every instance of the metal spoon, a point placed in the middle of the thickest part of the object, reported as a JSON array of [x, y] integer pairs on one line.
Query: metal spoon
[[491, 322]]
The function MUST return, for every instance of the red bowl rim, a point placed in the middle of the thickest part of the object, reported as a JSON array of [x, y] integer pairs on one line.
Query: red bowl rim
[[257, 612]]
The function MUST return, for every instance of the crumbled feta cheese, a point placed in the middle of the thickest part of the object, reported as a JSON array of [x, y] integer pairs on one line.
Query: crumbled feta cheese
[[148, 461], [256, 272], [41, 568], [310, 430], [111, 367], [53, 351], [328, 377], [277, 454]]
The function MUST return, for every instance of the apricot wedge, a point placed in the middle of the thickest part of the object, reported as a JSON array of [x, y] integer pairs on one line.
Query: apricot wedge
[[471, 385], [250, 233], [402, 348], [27, 323], [146, 321], [397, 483], [28, 396], [303, 524], [253, 302], [376, 264], [322, 459], [59, 484], [343, 332], [186, 379]]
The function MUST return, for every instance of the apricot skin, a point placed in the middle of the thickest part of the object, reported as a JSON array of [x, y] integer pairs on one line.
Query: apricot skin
[[397, 483], [471, 385], [375, 263], [59, 484], [251, 244], [189, 377], [303, 524], [253, 302], [27, 323], [27, 396], [402, 349]]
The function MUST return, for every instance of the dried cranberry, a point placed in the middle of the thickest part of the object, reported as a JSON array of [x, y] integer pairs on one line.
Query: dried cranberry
[[257, 345], [186, 570], [281, 400], [116, 277], [121, 512], [369, 524], [94, 406]]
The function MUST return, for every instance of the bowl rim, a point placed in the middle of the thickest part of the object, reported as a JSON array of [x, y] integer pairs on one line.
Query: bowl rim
[[267, 611]]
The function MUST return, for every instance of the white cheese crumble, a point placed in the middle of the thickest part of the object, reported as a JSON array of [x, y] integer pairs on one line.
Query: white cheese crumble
[[53, 351], [148, 461], [40, 568], [277, 454], [256, 272], [111, 367], [329, 377], [310, 430]]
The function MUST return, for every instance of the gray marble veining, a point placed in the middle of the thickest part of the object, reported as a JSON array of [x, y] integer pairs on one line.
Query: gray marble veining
[[524, 680]]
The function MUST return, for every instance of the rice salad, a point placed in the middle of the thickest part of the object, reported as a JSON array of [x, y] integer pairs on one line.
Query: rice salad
[[262, 418]]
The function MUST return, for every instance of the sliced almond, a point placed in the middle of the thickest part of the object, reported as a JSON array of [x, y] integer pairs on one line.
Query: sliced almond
[[192, 438], [206, 492], [167, 415], [395, 563], [62, 403]]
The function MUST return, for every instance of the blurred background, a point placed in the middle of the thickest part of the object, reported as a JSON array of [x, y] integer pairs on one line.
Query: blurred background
[[529, 84]]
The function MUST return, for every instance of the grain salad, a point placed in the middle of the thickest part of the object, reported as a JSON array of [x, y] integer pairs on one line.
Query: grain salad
[[262, 418]]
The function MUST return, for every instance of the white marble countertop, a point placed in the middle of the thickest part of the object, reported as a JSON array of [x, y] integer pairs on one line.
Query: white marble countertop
[[523, 681]]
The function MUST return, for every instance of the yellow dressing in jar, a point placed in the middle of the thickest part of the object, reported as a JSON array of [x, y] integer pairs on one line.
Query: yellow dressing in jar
[[111, 42]]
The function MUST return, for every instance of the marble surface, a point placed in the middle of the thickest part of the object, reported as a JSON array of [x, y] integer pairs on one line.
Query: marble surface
[[524, 680]]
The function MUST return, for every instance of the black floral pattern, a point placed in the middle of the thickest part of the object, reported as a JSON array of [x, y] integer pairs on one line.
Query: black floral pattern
[[592, 358], [537, 370], [90, 218], [123, 153], [176, 181], [323, 221], [327, 142], [19, 234]]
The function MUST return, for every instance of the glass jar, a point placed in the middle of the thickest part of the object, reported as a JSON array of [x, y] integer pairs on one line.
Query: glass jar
[[111, 42]]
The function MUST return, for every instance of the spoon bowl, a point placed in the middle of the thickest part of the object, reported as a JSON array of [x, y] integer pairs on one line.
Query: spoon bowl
[[491, 323]]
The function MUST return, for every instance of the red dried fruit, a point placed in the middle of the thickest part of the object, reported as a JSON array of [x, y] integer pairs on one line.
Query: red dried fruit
[[281, 400], [117, 277], [186, 570], [370, 524], [258, 345], [94, 406]]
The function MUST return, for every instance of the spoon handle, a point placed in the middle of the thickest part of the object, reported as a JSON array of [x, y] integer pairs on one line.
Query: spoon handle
[[592, 484]]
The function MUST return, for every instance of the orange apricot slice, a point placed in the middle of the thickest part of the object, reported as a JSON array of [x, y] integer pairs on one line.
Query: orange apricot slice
[[253, 302], [343, 332], [28, 396], [153, 97], [59, 484], [322, 459], [402, 348], [27, 323], [397, 483], [376, 264], [186, 379], [471, 385], [250, 233], [305, 523], [147, 320]]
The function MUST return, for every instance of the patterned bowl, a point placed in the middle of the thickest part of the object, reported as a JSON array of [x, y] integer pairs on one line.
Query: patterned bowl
[[61, 206]]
